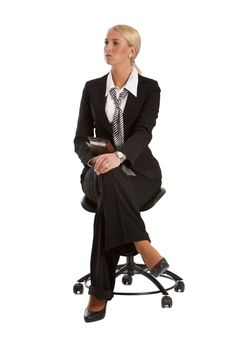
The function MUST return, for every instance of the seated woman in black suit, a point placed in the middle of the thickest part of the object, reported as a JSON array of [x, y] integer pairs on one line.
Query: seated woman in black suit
[[122, 107]]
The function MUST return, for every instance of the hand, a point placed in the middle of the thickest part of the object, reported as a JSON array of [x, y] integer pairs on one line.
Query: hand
[[105, 162]]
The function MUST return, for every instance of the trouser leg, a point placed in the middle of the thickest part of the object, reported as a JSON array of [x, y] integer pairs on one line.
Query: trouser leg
[[103, 264], [117, 223], [121, 210]]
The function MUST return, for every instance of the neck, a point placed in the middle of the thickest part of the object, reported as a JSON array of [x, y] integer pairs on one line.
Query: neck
[[120, 75]]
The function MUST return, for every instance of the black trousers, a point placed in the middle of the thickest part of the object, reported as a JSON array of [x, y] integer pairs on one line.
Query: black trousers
[[117, 222]]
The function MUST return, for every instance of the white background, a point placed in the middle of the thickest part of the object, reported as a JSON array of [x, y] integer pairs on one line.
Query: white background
[[48, 50]]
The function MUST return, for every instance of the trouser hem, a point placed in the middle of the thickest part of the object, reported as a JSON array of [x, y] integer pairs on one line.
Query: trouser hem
[[101, 294]]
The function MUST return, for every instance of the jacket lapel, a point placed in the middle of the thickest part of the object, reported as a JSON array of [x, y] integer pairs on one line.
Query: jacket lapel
[[100, 103], [132, 108]]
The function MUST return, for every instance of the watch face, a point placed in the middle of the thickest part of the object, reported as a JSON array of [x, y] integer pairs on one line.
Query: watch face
[[119, 154]]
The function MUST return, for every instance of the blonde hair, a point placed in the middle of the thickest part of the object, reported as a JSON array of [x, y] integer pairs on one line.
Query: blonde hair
[[133, 39]]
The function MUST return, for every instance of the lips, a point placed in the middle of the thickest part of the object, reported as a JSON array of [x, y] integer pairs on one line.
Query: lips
[[108, 56]]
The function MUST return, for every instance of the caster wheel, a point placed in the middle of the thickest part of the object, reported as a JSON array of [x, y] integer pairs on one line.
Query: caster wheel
[[166, 301], [179, 287], [78, 288], [127, 280]]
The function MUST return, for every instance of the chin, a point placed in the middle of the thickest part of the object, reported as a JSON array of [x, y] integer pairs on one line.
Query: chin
[[109, 63]]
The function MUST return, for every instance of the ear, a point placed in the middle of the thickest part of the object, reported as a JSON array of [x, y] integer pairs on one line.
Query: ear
[[132, 51]]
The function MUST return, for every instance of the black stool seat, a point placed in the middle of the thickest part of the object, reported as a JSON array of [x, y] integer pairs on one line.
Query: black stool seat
[[130, 268], [90, 206]]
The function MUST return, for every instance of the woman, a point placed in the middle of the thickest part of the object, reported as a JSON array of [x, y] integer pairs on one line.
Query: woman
[[122, 107]]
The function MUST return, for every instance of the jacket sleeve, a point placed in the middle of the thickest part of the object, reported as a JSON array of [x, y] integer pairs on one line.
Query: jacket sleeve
[[142, 132], [85, 127]]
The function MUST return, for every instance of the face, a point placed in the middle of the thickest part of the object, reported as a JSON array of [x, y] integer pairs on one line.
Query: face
[[116, 49]]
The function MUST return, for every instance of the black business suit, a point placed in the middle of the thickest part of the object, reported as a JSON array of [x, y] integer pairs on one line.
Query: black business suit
[[119, 197]]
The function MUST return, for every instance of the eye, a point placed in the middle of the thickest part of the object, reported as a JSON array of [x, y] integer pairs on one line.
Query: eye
[[105, 42], [115, 43]]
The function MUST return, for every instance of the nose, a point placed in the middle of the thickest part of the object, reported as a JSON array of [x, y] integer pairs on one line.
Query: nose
[[107, 47]]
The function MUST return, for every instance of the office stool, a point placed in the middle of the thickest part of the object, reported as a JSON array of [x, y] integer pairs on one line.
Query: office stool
[[130, 268]]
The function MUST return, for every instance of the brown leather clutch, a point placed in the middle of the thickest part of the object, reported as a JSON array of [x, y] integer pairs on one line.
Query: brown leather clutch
[[99, 145]]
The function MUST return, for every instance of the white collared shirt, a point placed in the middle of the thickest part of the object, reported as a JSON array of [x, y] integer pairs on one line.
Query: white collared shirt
[[131, 85]]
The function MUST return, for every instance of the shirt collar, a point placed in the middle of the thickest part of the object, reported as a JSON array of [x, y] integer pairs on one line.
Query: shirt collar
[[131, 84]]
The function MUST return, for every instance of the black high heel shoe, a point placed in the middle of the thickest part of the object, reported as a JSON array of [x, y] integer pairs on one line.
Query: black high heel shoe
[[159, 268], [92, 316]]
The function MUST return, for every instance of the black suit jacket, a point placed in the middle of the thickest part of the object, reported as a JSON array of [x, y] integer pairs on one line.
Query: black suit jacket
[[140, 116]]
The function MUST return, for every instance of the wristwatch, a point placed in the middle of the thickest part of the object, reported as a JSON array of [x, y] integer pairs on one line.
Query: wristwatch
[[121, 156]]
